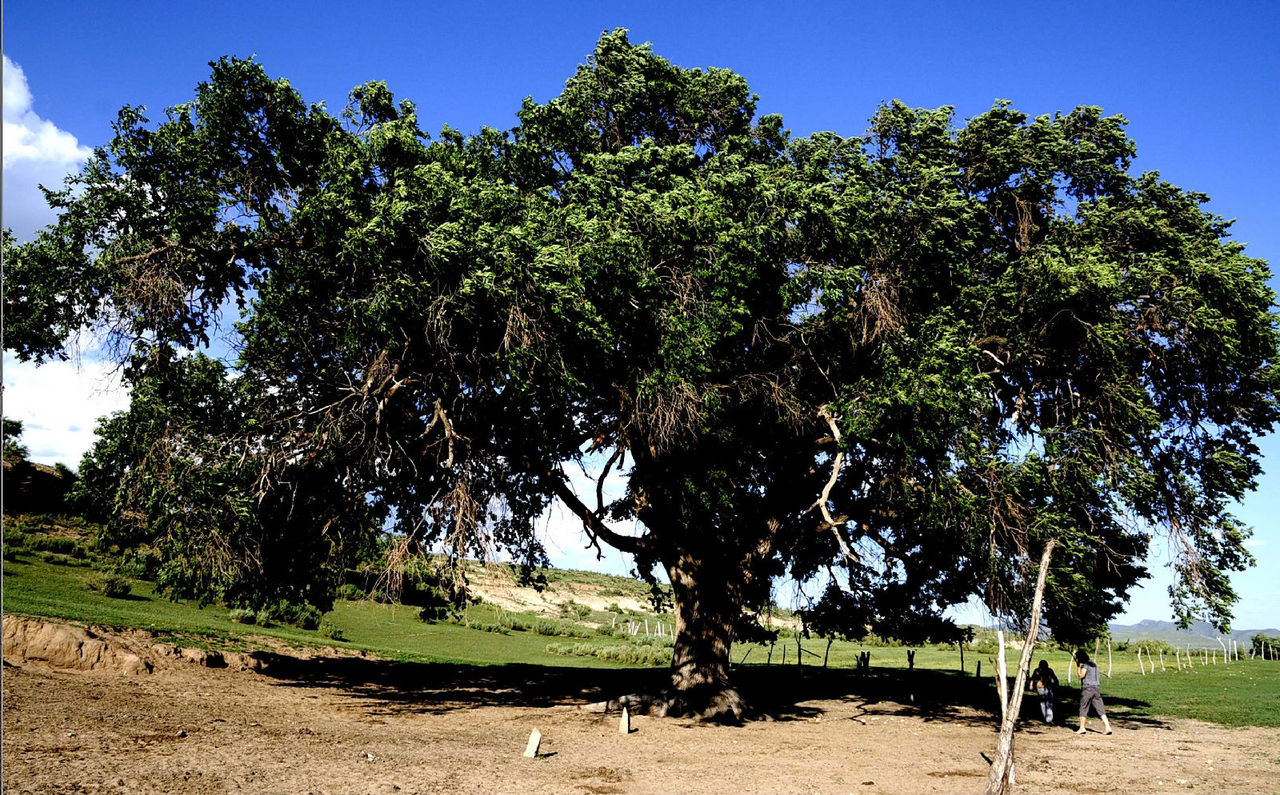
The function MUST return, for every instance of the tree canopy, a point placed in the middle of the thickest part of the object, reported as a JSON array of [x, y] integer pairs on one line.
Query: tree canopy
[[900, 362]]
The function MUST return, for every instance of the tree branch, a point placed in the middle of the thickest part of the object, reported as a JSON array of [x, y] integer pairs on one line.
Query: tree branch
[[591, 521], [837, 464]]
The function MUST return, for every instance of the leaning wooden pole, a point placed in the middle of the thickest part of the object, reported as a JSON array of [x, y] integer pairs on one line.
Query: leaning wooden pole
[[1001, 778], [1002, 677]]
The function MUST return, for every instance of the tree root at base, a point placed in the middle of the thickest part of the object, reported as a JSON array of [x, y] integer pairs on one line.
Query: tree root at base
[[711, 705]]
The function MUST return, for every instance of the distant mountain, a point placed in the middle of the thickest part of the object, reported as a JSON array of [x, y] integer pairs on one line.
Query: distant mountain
[[1200, 635]]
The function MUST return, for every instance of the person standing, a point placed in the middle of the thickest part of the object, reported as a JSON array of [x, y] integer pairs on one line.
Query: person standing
[[1044, 681], [1090, 692]]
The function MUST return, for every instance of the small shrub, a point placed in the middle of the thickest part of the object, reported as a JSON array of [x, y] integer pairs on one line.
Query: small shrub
[[614, 608], [656, 641], [555, 629], [58, 544], [141, 563], [242, 615], [544, 627], [331, 631], [437, 613], [573, 610], [111, 583], [14, 538], [350, 592], [514, 623], [625, 653], [301, 615], [985, 646], [483, 626]]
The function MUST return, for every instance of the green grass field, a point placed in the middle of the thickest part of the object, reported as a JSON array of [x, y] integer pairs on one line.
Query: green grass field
[[1237, 694]]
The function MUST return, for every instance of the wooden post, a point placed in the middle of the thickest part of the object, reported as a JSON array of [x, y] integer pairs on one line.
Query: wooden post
[[1161, 661], [535, 740], [1177, 657], [978, 671], [1224, 649], [1002, 677], [961, 645], [1001, 778], [1140, 665], [784, 655], [624, 724], [1108, 657], [1071, 667]]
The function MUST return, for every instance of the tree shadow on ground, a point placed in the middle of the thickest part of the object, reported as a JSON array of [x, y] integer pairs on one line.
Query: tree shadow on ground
[[392, 687]]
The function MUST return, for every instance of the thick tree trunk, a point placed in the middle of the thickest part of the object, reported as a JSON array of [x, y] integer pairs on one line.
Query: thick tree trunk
[[706, 607]]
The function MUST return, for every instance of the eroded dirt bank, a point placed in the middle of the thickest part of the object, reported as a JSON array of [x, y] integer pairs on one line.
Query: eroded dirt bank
[[350, 725]]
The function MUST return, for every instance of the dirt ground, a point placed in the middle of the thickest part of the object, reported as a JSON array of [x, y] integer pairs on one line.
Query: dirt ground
[[353, 725]]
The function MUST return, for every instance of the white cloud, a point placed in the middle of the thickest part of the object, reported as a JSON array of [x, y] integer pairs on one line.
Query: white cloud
[[36, 152], [59, 404], [1255, 543]]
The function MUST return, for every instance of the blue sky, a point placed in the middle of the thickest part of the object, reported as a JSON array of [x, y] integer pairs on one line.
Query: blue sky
[[1200, 84]]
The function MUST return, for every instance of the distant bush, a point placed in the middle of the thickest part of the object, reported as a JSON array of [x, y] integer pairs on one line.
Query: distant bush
[[59, 544], [1272, 648], [140, 562], [985, 646], [484, 626], [873, 639], [111, 583], [628, 654], [331, 631], [1154, 646], [666, 641], [573, 610], [544, 627], [301, 615], [561, 630], [438, 613], [614, 608], [351, 592], [243, 615], [64, 560]]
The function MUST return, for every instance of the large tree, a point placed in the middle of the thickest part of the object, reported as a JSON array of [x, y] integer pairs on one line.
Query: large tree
[[915, 355]]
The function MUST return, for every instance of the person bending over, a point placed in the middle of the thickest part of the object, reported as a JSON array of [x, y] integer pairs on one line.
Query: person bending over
[[1044, 681]]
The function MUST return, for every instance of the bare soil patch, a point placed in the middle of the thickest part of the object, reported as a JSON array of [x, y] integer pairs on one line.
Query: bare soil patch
[[344, 724]]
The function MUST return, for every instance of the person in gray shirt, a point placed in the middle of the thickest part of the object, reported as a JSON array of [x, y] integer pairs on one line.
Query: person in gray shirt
[[1090, 693]]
